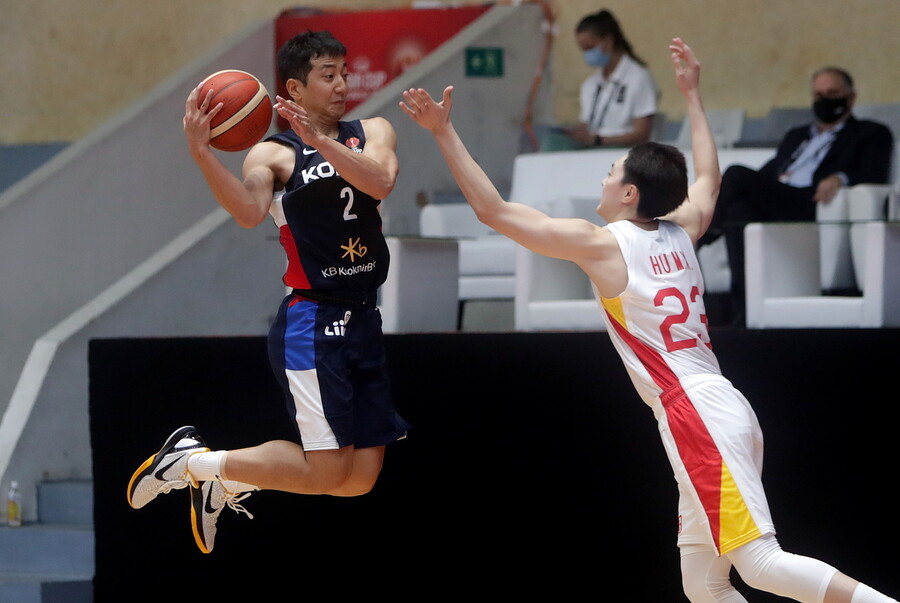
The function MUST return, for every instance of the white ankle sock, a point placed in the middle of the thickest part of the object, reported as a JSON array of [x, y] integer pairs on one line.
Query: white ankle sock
[[206, 466], [866, 594]]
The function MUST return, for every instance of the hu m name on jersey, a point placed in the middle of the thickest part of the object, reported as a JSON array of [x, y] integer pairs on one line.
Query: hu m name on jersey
[[667, 263]]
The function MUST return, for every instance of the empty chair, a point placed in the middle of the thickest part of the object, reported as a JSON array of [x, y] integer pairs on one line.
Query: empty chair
[[726, 125], [486, 259], [783, 289], [554, 294], [660, 124]]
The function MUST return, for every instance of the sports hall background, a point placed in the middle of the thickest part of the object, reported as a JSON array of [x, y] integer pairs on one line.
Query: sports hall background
[[532, 467]]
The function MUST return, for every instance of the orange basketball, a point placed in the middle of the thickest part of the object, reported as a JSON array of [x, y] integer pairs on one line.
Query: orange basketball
[[246, 113]]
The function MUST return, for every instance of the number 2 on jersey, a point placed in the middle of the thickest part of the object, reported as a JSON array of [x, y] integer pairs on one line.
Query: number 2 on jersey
[[347, 193]]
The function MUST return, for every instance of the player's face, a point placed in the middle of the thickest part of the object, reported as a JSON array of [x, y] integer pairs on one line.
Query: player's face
[[613, 190], [325, 92]]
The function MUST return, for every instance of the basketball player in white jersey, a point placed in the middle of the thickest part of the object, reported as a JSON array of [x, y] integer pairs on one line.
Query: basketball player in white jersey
[[647, 280]]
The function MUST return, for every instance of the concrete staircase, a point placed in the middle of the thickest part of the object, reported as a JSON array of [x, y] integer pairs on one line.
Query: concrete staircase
[[51, 561]]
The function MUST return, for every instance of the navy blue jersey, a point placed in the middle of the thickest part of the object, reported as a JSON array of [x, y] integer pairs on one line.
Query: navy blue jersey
[[330, 230]]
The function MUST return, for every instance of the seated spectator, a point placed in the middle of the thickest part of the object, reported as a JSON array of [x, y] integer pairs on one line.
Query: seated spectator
[[811, 164], [618, 100]]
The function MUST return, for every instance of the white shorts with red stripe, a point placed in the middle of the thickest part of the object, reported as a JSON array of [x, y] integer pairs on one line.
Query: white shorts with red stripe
[[715, 445]]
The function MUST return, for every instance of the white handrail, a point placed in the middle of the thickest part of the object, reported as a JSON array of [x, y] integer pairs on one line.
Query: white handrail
[[28, 387]]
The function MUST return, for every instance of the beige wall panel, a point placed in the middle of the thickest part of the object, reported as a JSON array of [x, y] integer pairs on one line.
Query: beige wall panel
[[68, 65]]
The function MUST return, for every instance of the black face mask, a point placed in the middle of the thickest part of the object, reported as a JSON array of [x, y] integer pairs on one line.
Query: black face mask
[[829, 110]]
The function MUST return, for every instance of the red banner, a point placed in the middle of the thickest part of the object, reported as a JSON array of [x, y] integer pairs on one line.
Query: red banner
[[380, 44]]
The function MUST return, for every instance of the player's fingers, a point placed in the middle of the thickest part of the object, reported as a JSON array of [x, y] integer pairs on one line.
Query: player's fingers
[[206, 100], [413, 99], [190, 104], [447, 98], [212, 112]]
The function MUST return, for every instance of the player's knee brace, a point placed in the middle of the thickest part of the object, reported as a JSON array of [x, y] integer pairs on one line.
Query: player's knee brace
[[704, 576], [764, 566]]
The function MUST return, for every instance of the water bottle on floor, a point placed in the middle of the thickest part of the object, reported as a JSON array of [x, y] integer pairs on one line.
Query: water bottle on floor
[[14, 506]]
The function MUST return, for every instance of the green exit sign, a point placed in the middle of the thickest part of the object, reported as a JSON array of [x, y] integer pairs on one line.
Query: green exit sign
[[484, 62]]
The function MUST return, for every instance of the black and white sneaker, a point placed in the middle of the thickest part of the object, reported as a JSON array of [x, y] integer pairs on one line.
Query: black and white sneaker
[[167, 469], [207, 502]]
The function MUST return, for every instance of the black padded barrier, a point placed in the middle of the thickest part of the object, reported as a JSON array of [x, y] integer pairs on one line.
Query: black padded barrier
[[532, 468]]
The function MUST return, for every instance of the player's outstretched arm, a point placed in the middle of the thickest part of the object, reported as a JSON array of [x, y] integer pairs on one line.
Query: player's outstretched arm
[[473, 182], [526, 225], [695, 214]]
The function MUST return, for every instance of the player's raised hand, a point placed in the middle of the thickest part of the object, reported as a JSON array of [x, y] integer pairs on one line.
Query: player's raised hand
[[298, 118], [425, 111], [197, 117], [687, 67]]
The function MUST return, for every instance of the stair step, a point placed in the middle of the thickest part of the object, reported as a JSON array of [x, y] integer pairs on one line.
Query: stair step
[[63, 551], [66, 502], [51, 561], [11, 589], [45, 589]]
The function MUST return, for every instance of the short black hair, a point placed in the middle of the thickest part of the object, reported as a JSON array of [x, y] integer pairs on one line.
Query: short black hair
[[296, 56], [659, 171]]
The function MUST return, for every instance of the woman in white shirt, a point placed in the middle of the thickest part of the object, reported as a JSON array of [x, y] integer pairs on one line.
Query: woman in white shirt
[[618, 101]]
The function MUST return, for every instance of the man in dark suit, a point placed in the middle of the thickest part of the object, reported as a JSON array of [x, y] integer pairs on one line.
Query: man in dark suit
[[812, 163]]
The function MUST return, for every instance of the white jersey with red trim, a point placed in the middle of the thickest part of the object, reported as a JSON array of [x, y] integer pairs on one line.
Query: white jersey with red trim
[[708, 429], [658, 324]]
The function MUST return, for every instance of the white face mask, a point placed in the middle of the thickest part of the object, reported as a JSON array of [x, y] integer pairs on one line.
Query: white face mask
[[595, 57]]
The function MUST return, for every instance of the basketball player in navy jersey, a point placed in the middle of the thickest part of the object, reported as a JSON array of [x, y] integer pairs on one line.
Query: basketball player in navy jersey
[[321, 182], [647, 280]]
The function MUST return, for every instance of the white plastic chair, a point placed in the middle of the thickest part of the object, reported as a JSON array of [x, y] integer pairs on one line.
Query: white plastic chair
[[553, 294], [726, 125], [487, 260], [783, 290]]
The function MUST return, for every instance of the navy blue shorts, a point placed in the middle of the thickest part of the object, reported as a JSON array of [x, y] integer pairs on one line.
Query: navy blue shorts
[[330, 361]]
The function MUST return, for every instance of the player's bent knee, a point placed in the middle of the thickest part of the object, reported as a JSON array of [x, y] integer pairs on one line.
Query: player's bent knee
[[367, 463], [346, 471], [764, 566], [694, 589], [699, 589], [330, 469], [705, 575], [354, 488]]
